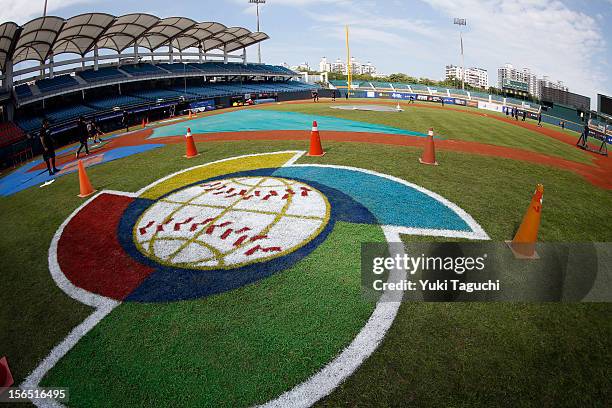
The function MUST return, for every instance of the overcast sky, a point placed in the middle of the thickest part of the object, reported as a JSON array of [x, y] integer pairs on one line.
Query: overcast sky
[[566, 40]]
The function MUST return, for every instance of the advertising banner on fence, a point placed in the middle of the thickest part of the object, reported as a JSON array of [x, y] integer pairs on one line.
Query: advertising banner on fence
[[418, 97], [490, 106], [402, 95], [455, 101], [202, 106]]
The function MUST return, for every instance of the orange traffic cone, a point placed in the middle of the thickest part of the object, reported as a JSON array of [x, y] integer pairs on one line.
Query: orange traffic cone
[[429, 154], [191, 147], [315, 142], [6, 378], [523, 244], [84, 184]]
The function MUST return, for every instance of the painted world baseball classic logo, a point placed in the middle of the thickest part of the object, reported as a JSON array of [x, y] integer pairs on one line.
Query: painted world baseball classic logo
[[221, 226], [231, 223], [216, 228]]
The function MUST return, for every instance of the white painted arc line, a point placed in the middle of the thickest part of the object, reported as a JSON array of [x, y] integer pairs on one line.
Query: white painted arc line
[[75, 292], [102, 304], [93, 299], [476, 228], [363, 345], [59, 351], [297, 155], [306, 393]]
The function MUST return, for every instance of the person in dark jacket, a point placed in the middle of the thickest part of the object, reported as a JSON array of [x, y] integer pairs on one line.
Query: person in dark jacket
[[524, 115], [94, 131], [125, 121], [48, 147], [540, 119], [83, 136]]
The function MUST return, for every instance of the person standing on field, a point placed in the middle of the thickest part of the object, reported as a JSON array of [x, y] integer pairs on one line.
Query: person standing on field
[[125, 121], [48, 147], [83, 137]]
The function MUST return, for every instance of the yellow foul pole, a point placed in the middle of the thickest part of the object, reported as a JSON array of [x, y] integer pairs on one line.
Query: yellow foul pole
[[348, 61]]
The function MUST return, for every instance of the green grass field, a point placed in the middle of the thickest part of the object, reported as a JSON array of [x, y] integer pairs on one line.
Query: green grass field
[[436, 354], [451, 124]]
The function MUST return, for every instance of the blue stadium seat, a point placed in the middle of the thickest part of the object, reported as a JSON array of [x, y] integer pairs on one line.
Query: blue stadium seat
[[29, 124], [102, 74], [142, 69], [117, 101], [157, 94], [23, 91], [179, 68], [459, 92], [57, 83], [68, 113], [419, 88]]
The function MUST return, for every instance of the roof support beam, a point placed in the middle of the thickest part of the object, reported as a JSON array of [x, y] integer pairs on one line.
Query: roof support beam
[[7, 82], [95, 58], [51, 65]]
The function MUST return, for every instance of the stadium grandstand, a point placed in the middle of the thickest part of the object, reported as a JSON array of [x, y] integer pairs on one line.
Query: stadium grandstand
[[98, 65], [552, 113], [386, 87]]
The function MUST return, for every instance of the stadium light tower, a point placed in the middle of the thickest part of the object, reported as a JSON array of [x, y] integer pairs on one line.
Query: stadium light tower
[[257, 3], [461, 22]]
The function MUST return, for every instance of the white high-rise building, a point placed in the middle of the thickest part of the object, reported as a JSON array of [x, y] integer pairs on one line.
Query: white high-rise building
[[476, 77], [339, 67], [301, 67], [545, 81], [533, 83], [509, 73]]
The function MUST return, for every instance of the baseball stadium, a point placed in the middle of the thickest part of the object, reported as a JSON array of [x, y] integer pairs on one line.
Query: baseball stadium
[[185, 227]]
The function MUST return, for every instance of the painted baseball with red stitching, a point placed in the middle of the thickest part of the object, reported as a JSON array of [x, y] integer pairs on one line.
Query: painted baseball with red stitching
[[231, 223]]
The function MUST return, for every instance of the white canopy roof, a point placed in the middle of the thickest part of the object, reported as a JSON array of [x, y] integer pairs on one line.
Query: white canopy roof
[[42, 37]]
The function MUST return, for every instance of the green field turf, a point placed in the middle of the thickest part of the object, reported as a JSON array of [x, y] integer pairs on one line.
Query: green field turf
[[435, 354], [450, 124], [246, 346]]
